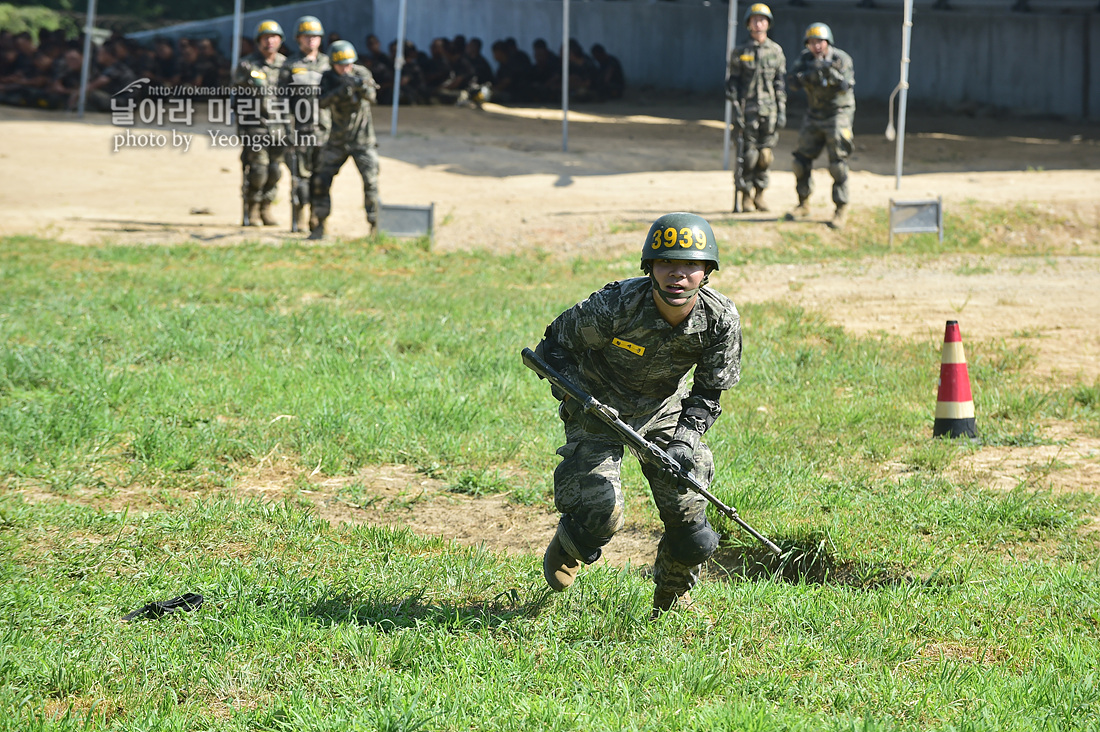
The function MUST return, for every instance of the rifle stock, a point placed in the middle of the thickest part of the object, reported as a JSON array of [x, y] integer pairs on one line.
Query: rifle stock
[[647, 450]]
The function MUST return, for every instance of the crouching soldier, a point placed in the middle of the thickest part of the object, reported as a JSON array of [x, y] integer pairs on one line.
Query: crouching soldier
[[632, 346]]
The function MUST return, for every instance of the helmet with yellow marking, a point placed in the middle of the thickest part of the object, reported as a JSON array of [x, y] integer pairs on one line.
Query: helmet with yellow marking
[[342, 52], [308, 25], [759, 9], [680, 235], [818, 30], [269, 28]]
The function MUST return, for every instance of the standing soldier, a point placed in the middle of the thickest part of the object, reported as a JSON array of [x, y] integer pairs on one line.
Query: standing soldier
[[347, 89], [301, 79], [261, 122], [757, 87], [827, 75], [632, 346]]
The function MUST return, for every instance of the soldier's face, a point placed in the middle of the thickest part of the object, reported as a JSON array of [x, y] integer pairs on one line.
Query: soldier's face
[[341, 69], [678, 277], [309, 44], [818, 47], [269, 44], [758, 26]]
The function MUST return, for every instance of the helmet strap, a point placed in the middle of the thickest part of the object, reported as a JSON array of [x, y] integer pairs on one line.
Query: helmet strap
[[686, 294]]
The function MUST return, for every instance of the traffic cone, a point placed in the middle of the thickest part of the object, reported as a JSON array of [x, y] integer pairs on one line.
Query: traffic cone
[[954, 404]]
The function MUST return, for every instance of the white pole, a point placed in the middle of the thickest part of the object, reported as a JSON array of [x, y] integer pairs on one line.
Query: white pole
[[903, 85], [731, 36], [238, 31], [565, 76], [86, 63], [398, 64]]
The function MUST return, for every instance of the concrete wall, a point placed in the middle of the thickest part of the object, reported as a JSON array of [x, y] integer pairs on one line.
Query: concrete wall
[[335, 15], [1041, 63]]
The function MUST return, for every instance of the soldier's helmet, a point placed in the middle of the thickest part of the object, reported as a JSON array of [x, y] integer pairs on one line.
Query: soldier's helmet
[[342, 52], [759, 9], [307, 25], [680, 235], [269, 28], [818, 30]]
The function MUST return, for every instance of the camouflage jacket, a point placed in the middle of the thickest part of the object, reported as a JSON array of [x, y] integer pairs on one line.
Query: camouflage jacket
[[616, 345], [828, 83], [757, 77], [349, 97], [257, 82], [301, 82]]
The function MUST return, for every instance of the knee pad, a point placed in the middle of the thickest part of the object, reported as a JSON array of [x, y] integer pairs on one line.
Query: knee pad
[[692, 544], [751, 159], [765, 161], [801, 166]]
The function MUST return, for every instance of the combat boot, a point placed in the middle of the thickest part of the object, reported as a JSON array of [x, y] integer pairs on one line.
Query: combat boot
[[265, 215], [840, 217], [316, 228], [665, 600], [253, 214], [758, 200], [559, 568], [801, 211]]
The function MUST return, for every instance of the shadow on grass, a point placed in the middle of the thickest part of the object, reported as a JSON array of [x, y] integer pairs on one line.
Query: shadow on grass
[[809, 561], [394, 613]]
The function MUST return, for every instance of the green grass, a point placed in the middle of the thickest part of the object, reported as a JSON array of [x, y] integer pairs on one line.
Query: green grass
[[908, 599]]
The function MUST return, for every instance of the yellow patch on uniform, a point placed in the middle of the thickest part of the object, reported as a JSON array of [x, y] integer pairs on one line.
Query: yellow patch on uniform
[[298, 70], [257, 74], [746, 57], [846, 133], [628, 346]]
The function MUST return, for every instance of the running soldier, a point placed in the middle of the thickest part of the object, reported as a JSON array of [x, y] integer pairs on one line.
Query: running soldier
[[260, 122], [757, 87], [827, 76], [301, 79], [631, 346], [347, 89]]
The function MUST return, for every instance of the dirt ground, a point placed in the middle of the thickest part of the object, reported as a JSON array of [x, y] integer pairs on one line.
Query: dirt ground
[[508, 179]]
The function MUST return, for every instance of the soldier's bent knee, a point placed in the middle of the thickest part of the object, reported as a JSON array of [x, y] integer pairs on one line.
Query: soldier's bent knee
[[766, 157], [801, 166], [692, 544]]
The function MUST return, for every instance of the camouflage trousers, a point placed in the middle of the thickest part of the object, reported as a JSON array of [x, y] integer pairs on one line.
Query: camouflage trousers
[[834, 134], [303, 163], [589, 494], [261, 173], [332, 158], [760, 138]]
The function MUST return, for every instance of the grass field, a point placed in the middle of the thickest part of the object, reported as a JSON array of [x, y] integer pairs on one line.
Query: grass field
[[912, 596]]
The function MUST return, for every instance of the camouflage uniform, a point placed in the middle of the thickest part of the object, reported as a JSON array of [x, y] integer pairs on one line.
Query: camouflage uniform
[[349, 98], [300, 73], [616, 346], [757, 83], [828, 121], [258, 116]]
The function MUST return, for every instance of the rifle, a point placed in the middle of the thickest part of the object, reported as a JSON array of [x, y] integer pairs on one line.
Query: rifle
[[245, 170], [648, 451], [740, 191], [295, 189]]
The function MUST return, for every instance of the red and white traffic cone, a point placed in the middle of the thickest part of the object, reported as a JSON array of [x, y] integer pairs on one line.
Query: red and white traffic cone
[[954, 404]]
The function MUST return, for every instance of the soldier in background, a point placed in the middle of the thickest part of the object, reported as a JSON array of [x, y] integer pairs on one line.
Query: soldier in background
[[347, 90], [827, 76], [301, 78], [260, 122], [758, 90]]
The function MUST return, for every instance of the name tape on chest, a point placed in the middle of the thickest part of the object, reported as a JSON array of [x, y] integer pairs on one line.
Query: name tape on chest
[[628, 346]]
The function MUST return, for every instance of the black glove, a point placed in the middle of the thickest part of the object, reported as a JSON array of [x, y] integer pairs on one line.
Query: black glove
[[682, 453]]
